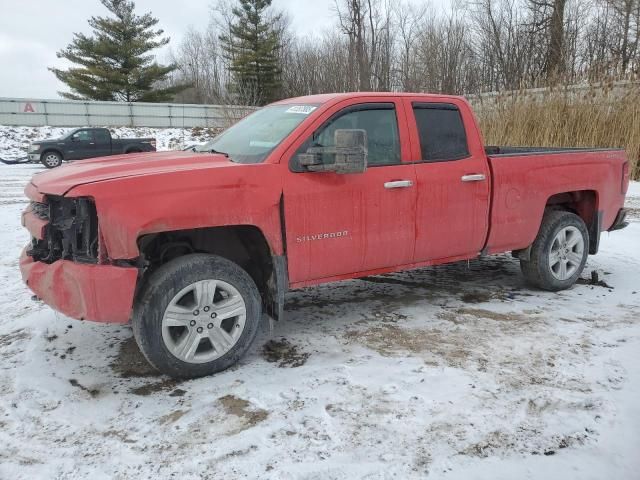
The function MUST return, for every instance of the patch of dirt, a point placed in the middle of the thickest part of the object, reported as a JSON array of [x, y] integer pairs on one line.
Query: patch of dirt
[[155, 387], [457, 315], [94, 392], [131, 363], [492, 442], [497, 441], [381, 316], [122, 436], [284, 353], [391, 340], [483, 313], [476, 297], [172, 417], [243, 409]]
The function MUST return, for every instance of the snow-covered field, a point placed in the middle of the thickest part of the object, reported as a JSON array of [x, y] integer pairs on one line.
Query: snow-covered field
[[455, 372], [15, 140]]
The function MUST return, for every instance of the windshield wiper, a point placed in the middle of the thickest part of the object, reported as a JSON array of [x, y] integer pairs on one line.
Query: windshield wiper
[[213, 150]]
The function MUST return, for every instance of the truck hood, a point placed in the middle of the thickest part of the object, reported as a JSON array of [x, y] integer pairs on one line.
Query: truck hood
[[59, 181]]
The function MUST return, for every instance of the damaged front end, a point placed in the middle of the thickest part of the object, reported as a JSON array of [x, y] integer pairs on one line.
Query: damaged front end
[[70, 231], [65, 266]]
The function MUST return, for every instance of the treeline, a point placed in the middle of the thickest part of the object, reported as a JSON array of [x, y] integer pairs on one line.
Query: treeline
[[249, 53]]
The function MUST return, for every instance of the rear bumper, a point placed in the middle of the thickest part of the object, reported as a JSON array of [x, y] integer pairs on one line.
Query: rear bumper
[[620, 222], [99, 293]]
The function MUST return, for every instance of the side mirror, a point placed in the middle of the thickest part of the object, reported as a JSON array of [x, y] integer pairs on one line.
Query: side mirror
[[350, 152]]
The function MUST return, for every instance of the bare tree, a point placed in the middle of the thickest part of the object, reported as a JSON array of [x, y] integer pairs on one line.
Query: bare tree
[[626, 18], [477, 45]]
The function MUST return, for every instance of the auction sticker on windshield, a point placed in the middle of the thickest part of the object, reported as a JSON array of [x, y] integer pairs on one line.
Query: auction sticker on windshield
[[304, 109]]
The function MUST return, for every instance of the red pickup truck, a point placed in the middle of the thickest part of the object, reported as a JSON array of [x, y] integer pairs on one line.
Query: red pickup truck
[[193, 247]]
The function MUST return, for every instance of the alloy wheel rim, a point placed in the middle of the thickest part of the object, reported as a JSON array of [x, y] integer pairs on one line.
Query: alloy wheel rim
[[51, 160], [566, 254], [203, 321]]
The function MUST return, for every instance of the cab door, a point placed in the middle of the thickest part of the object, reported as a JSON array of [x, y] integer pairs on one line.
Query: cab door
[[102, 138], [340, 224], [82, 145], [453, 180]]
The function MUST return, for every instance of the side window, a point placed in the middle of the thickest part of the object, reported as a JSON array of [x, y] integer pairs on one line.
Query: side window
[[441, 130], [102, 136], [380, 123], [83, 136]]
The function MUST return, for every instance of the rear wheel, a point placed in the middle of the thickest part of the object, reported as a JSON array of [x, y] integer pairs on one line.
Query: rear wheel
[[559, 252], [51, 159], [196, 315]]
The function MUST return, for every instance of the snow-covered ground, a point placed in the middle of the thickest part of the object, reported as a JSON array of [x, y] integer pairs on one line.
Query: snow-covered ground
[[452, 372]]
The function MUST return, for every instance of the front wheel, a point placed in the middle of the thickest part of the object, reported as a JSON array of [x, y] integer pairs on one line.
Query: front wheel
[[51, 159], [196, 315], [559, 252]]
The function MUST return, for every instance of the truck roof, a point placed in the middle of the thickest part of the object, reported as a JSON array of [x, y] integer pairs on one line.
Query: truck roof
[[326, 97]]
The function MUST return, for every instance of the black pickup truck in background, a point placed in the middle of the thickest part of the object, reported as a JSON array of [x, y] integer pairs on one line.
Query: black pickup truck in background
[[85, 143]]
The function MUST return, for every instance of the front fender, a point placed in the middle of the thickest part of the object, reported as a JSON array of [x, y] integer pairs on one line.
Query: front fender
[[130, 207]]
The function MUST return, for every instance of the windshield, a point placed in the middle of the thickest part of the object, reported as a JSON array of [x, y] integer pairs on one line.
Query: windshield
[[254, 137]]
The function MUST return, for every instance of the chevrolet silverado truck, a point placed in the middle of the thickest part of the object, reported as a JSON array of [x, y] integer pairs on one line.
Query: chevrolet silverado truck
[[84, 143], [195, 248]]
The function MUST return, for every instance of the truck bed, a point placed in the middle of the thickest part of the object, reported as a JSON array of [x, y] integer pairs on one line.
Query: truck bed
[[522, 188]]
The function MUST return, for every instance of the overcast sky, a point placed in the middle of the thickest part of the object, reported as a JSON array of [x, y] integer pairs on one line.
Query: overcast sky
[[32, 31]]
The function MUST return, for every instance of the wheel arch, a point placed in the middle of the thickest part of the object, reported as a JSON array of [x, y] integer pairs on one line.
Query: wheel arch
[[583, 203], [245, 245], [50, 150]]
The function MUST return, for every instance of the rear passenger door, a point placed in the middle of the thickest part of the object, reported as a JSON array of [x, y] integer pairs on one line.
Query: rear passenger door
[[102, 138], [453, 176]]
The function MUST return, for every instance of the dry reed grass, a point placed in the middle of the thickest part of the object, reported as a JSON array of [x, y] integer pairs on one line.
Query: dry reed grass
[[596, 117]]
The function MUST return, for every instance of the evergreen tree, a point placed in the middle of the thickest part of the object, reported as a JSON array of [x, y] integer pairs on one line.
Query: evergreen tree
[[114, 63], [252, 48]]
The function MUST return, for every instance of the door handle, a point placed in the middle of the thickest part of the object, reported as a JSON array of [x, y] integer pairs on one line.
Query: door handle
[[91, 143], [476, 177], [398, 184]]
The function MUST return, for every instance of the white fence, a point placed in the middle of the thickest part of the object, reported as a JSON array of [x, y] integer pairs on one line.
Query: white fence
[[71, 113]]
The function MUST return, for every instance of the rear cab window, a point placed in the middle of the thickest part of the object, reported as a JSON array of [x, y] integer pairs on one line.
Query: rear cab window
[[102, 136], [441, 132]]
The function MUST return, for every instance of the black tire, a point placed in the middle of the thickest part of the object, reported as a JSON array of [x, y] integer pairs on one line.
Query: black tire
[[164, 284], [51, 159], [537, 270]]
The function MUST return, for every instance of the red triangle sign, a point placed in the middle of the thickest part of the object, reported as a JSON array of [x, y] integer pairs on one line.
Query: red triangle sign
[[28, 108]]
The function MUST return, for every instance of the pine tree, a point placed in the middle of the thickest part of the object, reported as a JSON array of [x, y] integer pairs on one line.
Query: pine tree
[[252, 48], [114, 63]]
